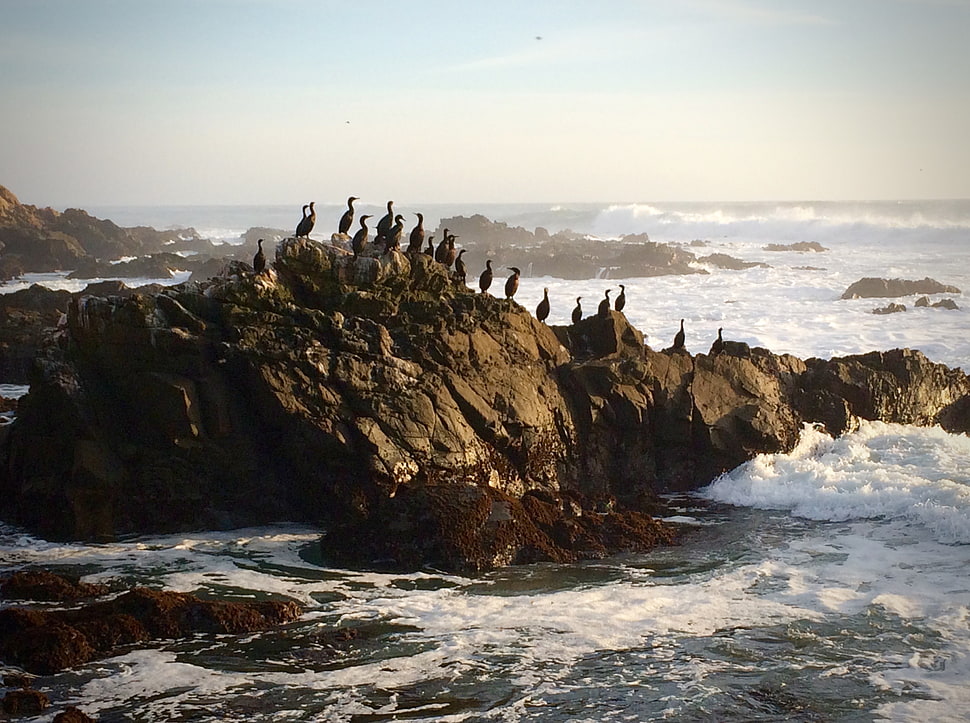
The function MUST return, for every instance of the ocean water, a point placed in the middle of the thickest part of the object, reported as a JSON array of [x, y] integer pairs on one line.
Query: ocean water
[[828, 584]]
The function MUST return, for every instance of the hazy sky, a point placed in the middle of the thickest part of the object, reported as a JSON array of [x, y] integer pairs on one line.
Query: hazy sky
[[276, 101]]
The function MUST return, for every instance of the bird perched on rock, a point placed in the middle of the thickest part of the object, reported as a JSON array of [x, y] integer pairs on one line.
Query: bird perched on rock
[[604, 308], [384, 225], [430, 250], [259, 260], [306, 223], [439, 253], [460, 269], [512, 283], [347, 220], [416, 238], [485, 280], [679, 337], [542, 310], [578, 311], [360, 238], [393, 239], [718, 346], [451, 253], [620, 301]]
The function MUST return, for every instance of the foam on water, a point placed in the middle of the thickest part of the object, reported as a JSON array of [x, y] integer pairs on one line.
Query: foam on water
[[881, 471]]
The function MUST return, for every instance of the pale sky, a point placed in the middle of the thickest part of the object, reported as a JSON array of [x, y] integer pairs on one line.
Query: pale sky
[[106, 102]]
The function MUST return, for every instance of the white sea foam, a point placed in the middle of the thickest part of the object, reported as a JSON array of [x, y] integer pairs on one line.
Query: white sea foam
[[881, 471]]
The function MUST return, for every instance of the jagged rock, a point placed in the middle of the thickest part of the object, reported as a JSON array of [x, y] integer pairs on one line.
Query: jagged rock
[[47, 641], [72, 715], [924, 301], [875, 288], [46, 586], [889, 309], [22, 703], [407, 414], [801, 246]]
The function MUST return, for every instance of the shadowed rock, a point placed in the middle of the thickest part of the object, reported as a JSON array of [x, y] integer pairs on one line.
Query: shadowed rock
[[420, 422]]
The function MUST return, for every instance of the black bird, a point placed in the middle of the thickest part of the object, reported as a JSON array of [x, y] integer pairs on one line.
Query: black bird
[[360, 238], [542, 310], [512, 283], [604, 309], [347, 220], [485, 280], [460, 266], [259, 260], [442, 250], [679, 337], [450, 252], [430, 250], [578, 311], [394, 234], [416, 239], [718, 346], [384, 225], [620, 301], [306, 224]]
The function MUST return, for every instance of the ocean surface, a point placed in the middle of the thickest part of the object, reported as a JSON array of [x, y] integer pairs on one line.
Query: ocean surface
[[828, 584]]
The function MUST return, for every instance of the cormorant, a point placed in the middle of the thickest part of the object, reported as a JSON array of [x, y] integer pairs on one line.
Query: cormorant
[[620, 301], [450, 252], [679, 337], [416, 239], [360, 238], [604, 308], [394, 234], [460, 266], [485, 280], [430, 250], [347, 220], [512, 283], [542, 310], [442, 250], [306, 224], [384, 225], [718, 346], [578, 311], [259, 260]]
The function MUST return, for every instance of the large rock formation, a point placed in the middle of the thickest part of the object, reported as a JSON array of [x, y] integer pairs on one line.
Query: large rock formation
[[41, 239], [422, 424]]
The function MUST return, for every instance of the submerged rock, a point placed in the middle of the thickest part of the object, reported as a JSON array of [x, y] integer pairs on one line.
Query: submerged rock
[[420, 423]]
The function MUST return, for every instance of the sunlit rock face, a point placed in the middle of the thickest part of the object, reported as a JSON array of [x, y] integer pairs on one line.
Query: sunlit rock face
[[420, 423]]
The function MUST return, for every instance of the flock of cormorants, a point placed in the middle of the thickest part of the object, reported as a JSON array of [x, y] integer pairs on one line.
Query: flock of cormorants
[[390, 231]]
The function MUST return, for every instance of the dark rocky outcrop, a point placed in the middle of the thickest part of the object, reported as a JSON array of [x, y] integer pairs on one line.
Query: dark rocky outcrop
[[924, 301], [869, 287], [422, 424], [800, 246], [889, 309], [570, 255], [45, 641]]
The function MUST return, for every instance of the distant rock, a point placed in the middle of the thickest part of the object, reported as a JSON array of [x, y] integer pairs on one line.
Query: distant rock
[[924, 301], [725, 261], [569, 255], [890, 309], [802, 246], [869, 287]]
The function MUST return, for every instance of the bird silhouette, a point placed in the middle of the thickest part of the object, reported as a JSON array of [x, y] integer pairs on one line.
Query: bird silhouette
[[542, 310]]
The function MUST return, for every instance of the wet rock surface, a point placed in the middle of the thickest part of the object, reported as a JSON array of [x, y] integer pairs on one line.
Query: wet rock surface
[[43, 641], [420, 423]]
